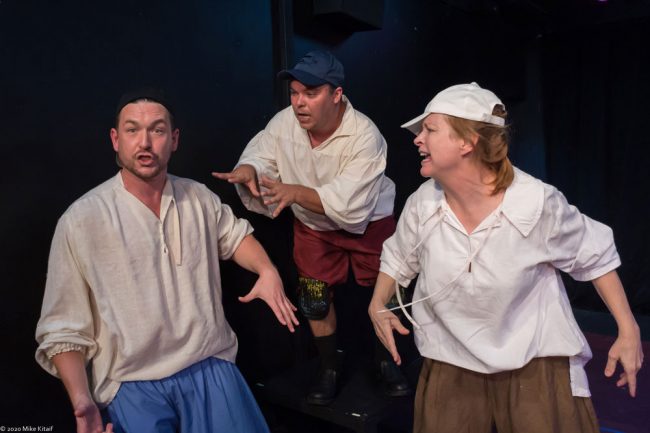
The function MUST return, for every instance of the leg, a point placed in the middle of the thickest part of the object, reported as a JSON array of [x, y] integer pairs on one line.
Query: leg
[[325, 326], [142, 407], [212, 396], [320, 263], [537, 398], [324, 388], [450, 399]]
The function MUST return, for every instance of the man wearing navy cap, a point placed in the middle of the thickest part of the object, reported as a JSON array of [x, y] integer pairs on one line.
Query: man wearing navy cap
[[326, 161], [132, 320]]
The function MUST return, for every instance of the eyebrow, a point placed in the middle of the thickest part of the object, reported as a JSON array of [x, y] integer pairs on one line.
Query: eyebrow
[[154, 123]]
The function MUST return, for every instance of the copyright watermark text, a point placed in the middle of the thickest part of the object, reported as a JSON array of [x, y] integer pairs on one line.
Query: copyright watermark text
[[24, 428]]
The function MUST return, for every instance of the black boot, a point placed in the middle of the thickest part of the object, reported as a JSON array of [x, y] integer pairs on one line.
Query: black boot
[[324, 388], [393, 382]]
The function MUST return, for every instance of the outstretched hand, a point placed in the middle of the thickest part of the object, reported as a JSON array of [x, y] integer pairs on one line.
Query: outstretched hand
[[88, 418], [278, 194], [268, 288], [245, 174], [628, 351], [384, 324]]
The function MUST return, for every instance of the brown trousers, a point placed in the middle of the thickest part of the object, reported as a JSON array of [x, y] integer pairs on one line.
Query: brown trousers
[[533, 399]]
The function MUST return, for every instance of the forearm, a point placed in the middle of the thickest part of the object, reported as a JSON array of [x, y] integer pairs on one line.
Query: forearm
[[384, 290], [72, 370], [309, 199], [611, 291], [251, 256]]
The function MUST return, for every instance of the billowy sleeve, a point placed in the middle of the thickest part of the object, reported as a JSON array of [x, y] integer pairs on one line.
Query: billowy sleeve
[[578, 245], [350, 198], [399, 257], [66, 323], [260, 153], [231, 230]]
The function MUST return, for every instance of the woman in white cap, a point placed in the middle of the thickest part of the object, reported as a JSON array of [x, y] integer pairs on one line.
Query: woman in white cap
[[490, 314]]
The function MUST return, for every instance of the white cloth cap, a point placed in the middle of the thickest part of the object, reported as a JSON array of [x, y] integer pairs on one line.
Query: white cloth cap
[[467, 101]]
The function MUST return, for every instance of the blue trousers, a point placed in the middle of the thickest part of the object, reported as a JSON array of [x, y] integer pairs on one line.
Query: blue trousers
[[210, 396]]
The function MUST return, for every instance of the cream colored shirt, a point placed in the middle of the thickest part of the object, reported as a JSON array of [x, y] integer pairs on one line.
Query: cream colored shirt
[[511, 305], [346, 170], [138, 295]]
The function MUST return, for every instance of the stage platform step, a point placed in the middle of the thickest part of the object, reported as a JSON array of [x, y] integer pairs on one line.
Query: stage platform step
[[359, 406]]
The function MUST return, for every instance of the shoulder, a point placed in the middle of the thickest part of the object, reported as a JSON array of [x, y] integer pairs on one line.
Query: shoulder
[[189, 189], [281, 121], [95, 200], [360, 124], [528, 200], [425, 201]]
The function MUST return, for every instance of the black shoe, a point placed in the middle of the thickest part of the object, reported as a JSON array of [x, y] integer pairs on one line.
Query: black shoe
[[323, 390], [393, 382]]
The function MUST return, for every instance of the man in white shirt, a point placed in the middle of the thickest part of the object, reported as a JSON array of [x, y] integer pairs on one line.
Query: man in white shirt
[[326, 161], [134, 293]]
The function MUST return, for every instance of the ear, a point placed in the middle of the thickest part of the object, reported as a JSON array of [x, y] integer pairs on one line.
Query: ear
[[175, 137], [114, 139], [467, 146], [338, 94]]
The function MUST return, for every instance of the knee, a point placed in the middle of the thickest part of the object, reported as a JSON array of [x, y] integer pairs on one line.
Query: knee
[[313, 298]]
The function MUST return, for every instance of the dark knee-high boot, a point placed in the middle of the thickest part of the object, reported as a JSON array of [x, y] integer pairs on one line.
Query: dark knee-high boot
[[324, 388]]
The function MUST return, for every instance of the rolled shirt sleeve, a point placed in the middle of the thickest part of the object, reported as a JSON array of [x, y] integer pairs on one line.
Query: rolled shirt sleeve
[[399, 259], [578, 245], [351, 197], [231, 230], [260, 154]]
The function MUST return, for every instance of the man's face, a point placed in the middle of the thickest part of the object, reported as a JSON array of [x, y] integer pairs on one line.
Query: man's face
[[316, 108], [144, 139]]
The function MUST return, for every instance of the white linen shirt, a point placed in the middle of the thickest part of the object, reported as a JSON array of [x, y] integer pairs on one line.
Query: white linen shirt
[[510, 305], [346, 170], [139, 295]]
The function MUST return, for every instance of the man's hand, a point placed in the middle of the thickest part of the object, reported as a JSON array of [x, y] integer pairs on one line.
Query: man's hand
[[283, 195], [268, 288], [628, 351], [88, 418], [244, 174], [384, 324], [276, 193]]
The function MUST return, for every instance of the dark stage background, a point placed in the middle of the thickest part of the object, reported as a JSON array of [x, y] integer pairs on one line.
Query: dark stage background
[[573, 75]]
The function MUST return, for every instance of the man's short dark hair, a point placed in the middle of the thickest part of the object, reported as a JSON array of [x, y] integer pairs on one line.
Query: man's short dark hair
[[150, 94]]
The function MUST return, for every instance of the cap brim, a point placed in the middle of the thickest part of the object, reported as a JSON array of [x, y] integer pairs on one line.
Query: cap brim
[[304, 77], [415, 125]]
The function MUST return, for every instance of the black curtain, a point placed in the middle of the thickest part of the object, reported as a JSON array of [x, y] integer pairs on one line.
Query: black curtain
[[596, 112]]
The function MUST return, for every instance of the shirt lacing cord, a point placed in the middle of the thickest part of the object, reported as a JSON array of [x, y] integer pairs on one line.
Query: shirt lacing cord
[[444, 292], [176, 236]]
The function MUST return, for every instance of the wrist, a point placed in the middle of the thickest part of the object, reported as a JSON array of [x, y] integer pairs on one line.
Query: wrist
[[629, 329], [81, 400], [268, 270]]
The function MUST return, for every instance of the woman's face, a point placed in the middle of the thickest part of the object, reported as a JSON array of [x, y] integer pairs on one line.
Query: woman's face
[[439, 147]]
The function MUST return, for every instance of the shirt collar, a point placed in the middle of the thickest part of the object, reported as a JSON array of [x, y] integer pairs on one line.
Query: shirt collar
[[348, 124], [522, 203]]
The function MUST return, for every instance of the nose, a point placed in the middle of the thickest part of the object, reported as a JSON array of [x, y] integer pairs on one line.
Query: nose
[[299, 100], [418, 138], [145, 140]]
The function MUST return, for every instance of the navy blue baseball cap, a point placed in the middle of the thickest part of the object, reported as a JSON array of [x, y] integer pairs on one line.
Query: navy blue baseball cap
[[315, 69]]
